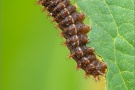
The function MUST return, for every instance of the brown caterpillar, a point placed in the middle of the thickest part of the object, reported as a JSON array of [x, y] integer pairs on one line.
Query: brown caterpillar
[[75, 33]]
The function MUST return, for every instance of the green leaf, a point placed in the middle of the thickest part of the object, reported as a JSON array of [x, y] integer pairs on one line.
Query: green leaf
[[112, 36]]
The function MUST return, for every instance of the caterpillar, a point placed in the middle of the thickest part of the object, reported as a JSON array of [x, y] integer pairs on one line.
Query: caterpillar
[[75, 32]]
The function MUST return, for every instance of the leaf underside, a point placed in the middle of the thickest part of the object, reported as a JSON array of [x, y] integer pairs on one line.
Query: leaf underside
[[112, 36]]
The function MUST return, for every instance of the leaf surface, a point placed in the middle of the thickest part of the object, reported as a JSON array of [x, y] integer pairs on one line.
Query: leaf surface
[[112, 36]]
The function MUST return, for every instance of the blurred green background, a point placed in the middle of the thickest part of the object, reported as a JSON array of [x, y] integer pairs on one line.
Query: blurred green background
[[33, 57]]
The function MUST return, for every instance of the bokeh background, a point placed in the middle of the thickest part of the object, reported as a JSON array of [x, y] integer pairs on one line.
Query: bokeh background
[[33, 57]]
